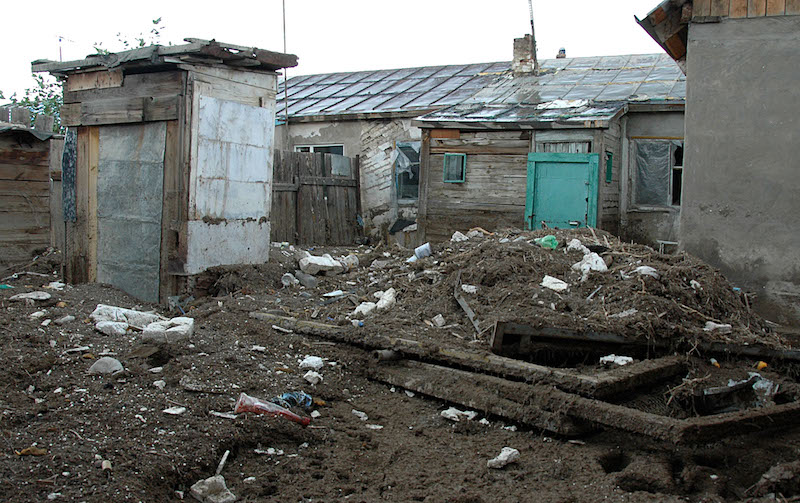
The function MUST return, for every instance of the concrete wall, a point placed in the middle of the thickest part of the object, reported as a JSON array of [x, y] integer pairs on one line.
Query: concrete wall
[[648, 225], [742, 179], [373, 140]]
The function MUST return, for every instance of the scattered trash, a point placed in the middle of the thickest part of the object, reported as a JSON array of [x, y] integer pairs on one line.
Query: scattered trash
[[281, 329], [590, 262], [160, 384], [112, 313], [761, 365], [112, 328], [506, 456], [349, 262], [55, 285], [365, 309], [409, 393], [222, 461], [312, 377], [223, 415], [455, 415], [260, 349], [714, 362], [361, 415], [357, 323], [288, 280], [469, 288], [695, 285], [307, 280], [105, 465], [615, 360], [31, 451], [324, 264], [312, 362], [174, 411], [5, 287], [458, 237], [438, 320], [106, 365], [374, 427], [548, 241], [64, 320], [387, 300], [423, 251], [247, 403], [212, 490], [169, 331], [576, 245], [554, 284], [722, 328], [315, 414], [294, 398], [646, 270], [335, 293], [625, 313], [31, 296]]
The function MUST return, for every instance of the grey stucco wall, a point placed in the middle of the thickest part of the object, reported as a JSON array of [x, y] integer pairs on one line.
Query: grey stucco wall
[[741, 207], [347, 133], [649, 225]]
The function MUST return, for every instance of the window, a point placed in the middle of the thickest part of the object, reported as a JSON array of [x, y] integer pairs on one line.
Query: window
[[406, 170], [455, 168], [659, 172], [321, 149]]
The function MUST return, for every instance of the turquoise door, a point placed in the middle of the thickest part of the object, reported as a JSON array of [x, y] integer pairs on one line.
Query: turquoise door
[[562, 190]]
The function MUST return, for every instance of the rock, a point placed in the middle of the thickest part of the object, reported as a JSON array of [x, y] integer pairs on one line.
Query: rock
[[64, 320], [312, 377], [36, 315], [312, 362], [306, 280], [458, 237], [169, 331], [106, 365], [506, 456], [439, 321], [129, 316], [112, 327], [782, 478], [554, 284], [31, 296], [212, 490], [474, 234], [315, 265], [365, 308], [388, 299], [315, 414], [160, 384]]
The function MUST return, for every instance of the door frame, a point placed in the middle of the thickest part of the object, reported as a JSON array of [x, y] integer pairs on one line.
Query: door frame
[[593, 161]]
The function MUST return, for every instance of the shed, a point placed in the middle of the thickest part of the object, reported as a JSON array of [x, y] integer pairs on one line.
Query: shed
[[590, 141], [172, 171], [25, 158]]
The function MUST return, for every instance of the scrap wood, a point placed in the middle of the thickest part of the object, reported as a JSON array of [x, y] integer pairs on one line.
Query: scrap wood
[[463, 303]]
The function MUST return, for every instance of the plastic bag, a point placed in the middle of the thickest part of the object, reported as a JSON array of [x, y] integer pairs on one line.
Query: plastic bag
[[548, 241]]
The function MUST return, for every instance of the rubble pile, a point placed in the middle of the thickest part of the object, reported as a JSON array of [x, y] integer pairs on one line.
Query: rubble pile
[[590, 281]]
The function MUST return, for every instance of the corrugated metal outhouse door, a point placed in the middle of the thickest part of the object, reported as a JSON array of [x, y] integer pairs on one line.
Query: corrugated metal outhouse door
[[561, 190]]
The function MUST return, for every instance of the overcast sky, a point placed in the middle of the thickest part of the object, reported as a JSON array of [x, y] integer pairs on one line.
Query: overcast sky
[[327, 35]]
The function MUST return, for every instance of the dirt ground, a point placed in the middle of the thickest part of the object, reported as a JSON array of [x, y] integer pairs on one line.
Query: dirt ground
[[405, 450]]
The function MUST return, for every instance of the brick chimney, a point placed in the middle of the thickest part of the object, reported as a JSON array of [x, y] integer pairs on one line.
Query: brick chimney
[[523, 55]]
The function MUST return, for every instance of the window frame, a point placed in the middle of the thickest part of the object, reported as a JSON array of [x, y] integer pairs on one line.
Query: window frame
[[313, 147], [634, 173], [405, 200], [463, 157]]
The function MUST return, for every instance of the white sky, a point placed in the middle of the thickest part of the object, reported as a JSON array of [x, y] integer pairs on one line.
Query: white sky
[[327, 35]]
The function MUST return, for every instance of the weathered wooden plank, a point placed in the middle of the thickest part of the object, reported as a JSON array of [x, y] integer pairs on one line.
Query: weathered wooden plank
[[77, 267], [474, 149], [170, 208], [720, 8], [24, 203], [23, 188], [445, 133], [160, 108], [776, 7], [792, 7], [100, 79], [756, 8], [702, 8], [738, 9], [26, 156], [327, 181], [24, 173], [137, 85], [56, 203], [94, 160], [120, 111]]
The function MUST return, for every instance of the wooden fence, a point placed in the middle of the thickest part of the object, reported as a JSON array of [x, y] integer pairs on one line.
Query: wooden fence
[[315, 199]]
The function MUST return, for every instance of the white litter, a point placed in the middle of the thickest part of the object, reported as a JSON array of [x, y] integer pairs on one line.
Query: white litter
[[646, 270], [365, 309], [388, 299], [260, 349], [576, 245], [160, 384], [172, 330], [314, 265], [469, 288], [312, 377], [439, 321], [456, 415], [112, 327], [335, 293], [625, 313], [616, 360], [56, 285], [361, 415], [174, 411], [374, 427], [31, 296], [696, 285], [37, 315], [722, 328], [506, 456], [129, 316], [315, 414], [312, 362], [458, 237], [590, 262], [554, 284]]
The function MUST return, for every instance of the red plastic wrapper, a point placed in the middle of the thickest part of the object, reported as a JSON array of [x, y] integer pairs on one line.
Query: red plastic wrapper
[[247, 403]]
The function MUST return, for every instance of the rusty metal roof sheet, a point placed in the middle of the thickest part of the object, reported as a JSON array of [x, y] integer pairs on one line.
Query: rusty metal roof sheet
[[488, 91]]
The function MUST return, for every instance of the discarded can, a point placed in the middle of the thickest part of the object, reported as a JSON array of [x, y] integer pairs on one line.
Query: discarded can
[[247, 403], [294, 398]]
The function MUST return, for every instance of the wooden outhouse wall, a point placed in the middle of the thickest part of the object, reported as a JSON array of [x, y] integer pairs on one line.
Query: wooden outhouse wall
[[24, 196], [493, 193]]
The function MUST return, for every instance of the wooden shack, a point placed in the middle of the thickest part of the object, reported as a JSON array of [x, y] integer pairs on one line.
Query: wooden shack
[[25, 158], [172, 172]]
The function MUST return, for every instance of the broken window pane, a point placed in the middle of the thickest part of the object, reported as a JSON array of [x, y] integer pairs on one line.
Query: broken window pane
[[653, 171], [407, 170]]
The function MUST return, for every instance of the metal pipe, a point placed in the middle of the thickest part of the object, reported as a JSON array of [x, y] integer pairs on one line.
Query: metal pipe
[[533, 40]]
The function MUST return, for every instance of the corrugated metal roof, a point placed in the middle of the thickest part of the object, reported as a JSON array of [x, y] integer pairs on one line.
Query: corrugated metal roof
[[488, 92]]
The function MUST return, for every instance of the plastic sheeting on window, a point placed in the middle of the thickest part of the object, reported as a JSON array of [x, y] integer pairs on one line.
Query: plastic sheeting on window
[[406, 161], [653, 171]]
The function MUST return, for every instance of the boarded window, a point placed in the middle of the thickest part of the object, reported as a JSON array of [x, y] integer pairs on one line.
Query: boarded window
[[455, 168], [406, 168], [659, 172]]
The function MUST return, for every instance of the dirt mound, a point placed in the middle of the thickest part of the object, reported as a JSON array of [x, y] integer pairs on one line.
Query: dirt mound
[[507, 269]]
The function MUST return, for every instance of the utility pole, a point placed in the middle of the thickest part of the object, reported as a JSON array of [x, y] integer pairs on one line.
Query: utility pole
[[533, 40]]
